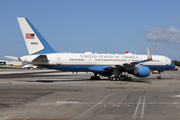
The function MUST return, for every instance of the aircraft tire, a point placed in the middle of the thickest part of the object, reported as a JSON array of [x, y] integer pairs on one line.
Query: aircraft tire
[[159, 77], [95, 78], [92, 78]]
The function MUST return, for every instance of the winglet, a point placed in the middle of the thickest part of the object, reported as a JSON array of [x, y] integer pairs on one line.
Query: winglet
[[149, 57]]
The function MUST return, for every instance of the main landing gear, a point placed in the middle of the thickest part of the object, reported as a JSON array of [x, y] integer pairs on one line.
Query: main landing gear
[[114, 78], [122, 76], [95, 77]]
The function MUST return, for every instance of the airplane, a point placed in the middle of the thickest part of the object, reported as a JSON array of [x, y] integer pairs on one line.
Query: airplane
[[29, 66], [109, 65]]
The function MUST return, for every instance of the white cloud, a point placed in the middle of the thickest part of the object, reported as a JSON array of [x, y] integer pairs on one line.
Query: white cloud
[[176, 18], [159, 36], [156, 43], [156, 49], [176, 53]]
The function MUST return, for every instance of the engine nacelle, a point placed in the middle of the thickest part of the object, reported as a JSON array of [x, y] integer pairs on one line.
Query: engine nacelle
[[140, 71]]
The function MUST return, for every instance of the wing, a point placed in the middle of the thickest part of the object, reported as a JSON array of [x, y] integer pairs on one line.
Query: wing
[[131, 65]]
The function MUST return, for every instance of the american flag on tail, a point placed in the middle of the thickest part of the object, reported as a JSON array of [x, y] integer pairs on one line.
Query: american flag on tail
[[30, 36]]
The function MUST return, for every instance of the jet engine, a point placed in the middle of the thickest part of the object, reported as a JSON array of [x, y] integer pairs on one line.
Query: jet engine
[[140, 71]]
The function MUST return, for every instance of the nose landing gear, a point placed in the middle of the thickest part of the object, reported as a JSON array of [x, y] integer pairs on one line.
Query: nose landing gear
[[159, 77]]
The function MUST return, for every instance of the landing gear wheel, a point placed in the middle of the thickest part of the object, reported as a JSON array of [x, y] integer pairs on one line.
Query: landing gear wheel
[[92, 78], [159, 77], [114, 79], [95, 78], [98, 78]]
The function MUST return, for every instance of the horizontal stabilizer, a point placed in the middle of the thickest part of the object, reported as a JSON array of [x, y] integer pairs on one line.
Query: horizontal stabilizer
[[12, 57]]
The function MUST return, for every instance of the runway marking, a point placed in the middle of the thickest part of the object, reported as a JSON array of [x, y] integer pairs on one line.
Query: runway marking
[[89, 103], [86, 103], [36, 91], [141, 111], [67, 102], [143, 107], [116, 105], [175, 96], [142, 114], [98, 104]]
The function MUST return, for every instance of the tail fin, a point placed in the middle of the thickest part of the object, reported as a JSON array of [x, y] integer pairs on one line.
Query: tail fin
[[35, 43]]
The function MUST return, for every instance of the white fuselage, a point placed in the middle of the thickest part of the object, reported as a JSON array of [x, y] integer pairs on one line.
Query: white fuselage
[[96, 59]]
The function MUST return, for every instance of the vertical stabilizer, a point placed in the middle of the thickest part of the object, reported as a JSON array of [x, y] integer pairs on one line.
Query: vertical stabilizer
[[35, 43]]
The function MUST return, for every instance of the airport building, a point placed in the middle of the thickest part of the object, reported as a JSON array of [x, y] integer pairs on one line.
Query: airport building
[[3, 62], [11, 62]]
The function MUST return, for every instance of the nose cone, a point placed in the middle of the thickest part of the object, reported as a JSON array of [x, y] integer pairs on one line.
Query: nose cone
[[169, 62], [172, 65]]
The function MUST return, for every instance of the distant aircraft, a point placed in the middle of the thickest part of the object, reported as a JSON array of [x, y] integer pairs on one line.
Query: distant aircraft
[[110, 65], [29, 66]]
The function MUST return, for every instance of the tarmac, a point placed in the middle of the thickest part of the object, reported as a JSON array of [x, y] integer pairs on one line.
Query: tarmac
[[54, 95]]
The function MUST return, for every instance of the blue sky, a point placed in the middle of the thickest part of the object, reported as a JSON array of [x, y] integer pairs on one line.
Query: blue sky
[[102, 26]]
